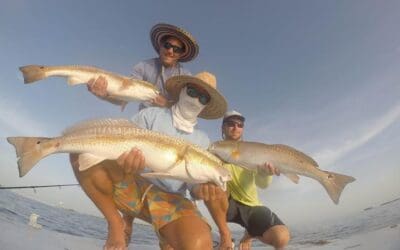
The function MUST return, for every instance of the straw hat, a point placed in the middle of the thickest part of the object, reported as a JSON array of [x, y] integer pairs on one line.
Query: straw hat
[[217, 105], [162, 29]]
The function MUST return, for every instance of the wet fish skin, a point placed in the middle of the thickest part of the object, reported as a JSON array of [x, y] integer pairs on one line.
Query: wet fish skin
[[98, 140], [290, 162], [119, 88]]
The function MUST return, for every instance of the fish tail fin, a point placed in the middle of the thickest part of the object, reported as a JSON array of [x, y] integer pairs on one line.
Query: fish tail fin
[[33, 73], [30, 150], [334, 184]]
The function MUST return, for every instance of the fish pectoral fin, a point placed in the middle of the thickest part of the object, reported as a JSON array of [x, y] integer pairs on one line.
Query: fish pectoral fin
[[123, 105], [188, 172], [87, 160], [180, 158], [293, 177], [73, 80]]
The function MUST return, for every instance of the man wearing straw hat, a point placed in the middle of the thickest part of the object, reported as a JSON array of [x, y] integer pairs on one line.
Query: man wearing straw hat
[[117, 185], [173, 45]]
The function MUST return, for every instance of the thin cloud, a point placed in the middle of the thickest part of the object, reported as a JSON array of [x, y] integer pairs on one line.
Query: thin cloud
[[329, 156], [15, 119]]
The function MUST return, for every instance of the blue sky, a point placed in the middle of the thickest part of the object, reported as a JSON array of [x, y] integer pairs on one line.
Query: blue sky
[[321, 76]]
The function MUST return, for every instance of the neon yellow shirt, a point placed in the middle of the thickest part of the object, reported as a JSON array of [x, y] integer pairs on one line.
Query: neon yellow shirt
[[244, 183]]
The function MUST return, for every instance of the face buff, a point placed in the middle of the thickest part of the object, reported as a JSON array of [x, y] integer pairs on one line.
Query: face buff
[[185, 112]]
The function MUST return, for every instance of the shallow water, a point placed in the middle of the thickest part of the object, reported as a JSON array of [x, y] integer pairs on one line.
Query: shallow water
[[16, 210]]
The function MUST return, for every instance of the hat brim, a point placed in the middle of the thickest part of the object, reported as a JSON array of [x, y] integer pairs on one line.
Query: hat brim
[[213, 110], [159, 31]]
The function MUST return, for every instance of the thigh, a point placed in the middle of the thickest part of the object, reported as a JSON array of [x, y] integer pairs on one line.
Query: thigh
[[259, 219], [233, 213], [189, 232]]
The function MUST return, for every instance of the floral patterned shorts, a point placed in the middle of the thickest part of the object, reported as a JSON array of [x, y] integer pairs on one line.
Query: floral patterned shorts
[[148, 202]]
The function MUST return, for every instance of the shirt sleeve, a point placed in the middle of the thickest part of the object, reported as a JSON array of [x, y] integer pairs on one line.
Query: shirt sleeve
[[138, 71], [263, 181], [185, 72], [143, 118]]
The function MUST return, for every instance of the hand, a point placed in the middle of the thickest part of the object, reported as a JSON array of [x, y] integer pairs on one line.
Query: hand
[[268, 169], [131, 162], [208, 192], [160, 101], [98, 86]]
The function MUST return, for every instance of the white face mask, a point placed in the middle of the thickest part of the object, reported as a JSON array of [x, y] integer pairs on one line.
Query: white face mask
[[185, 112]]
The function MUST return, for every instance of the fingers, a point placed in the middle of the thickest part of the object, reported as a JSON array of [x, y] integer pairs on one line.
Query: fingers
[[273, 170], [160, 101], [268, 169], [208, 192], [98, 86], [131, 161]]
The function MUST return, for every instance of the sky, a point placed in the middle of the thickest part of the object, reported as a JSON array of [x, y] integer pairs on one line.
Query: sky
[[320, 76]]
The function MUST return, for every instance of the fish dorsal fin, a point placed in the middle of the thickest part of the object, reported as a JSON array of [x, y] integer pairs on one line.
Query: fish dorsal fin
[[87, 160], [293, 177], [294, 152], [99, 123]]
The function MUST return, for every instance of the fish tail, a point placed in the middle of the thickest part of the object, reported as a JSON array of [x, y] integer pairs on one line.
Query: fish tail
[[30, 150], [33, 73], [334, 184]]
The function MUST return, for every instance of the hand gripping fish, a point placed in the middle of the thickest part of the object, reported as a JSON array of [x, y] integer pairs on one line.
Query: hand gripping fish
[[120, 89], [288, 160], [98, 140]]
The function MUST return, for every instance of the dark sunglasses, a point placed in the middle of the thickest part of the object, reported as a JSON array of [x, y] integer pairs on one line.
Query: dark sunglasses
[[175, 49], [233, 124], [193, 92]]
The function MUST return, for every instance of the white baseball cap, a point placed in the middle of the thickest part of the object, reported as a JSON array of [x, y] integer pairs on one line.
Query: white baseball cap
[[233, 113]]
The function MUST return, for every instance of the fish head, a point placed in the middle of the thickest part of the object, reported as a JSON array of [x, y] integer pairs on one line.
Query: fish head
[[225, 150]]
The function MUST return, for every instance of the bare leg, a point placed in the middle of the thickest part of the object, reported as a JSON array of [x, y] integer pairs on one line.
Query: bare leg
[[189, 232], [165, 246], [245, 242], [96, 183], [128, 220], [218, 209], [278, 236]]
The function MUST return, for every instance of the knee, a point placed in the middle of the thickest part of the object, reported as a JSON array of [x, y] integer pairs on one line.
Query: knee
[[279, 236], [204, 241], [282, 239]]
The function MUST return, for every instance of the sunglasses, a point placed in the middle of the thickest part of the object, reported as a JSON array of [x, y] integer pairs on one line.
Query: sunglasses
[[232, 124], [175, 49], [193, 92]]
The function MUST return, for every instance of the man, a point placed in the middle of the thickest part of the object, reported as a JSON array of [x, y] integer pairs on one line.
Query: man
[[117, 185], [173, 45], [243, 205]]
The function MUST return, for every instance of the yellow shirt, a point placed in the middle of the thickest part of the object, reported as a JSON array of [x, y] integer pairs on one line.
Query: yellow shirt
[[244, 183]]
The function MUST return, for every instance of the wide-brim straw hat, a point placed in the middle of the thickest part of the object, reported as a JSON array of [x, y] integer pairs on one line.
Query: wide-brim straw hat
[[159, 31], [217, 105]]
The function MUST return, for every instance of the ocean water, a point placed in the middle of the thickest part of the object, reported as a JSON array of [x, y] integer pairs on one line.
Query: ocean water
[[16, 210]]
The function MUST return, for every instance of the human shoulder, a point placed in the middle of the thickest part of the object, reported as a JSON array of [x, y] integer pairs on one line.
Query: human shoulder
[[147, 116], [143, 69], [202, 138], [185, 71]]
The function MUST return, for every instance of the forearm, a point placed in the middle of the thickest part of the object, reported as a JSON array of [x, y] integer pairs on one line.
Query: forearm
[[263, 181]]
